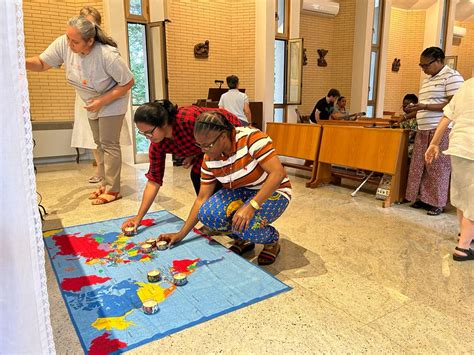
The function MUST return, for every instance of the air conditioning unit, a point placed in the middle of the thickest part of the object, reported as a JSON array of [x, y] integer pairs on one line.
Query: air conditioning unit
[[325, 8], [459, 32]]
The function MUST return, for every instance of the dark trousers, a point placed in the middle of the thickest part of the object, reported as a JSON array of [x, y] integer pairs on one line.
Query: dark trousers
[[196, 179]]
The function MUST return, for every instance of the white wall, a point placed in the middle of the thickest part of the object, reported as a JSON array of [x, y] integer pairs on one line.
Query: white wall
[[264, 57], [361, 55], [115, 12]]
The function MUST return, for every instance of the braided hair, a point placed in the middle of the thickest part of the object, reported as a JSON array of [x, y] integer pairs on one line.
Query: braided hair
[[212, 121]]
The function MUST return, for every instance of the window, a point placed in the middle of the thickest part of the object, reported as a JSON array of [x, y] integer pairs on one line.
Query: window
[[281, 18], [136, 10], [374, 58], [138, 62]]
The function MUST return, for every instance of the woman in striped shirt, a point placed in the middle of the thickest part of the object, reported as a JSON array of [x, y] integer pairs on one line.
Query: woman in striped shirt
[[256, 189]]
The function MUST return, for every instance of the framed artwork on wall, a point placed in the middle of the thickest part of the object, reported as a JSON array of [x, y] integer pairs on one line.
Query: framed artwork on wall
[[451, 61]]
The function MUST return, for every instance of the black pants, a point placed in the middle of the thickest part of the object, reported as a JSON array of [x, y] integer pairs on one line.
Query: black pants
[[196, 179]]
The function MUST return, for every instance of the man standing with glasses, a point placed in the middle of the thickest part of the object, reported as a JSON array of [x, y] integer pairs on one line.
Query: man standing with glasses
[[428, 185], [171, 131]]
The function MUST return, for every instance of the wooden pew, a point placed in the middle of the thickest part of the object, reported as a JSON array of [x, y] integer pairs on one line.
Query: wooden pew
[[297, 140], [382, 150]]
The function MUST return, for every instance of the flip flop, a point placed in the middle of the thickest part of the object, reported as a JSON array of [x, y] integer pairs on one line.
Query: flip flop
[[435, 211], [102, 199]]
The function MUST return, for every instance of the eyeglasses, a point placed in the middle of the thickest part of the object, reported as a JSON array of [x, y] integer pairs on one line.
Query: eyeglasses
[[210, 145], [424, 66], [148, 134]]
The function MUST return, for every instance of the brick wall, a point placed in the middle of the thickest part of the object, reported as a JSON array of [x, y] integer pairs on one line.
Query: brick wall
[[465, 51], [406, 43], [335, 34], [44, 21], [230, 29]]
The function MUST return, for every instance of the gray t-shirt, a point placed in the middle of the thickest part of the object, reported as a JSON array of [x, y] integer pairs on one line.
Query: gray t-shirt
[[93, 74], [233, 101]]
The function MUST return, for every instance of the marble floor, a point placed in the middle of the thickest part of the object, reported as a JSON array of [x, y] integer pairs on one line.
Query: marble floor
[[365, 279]]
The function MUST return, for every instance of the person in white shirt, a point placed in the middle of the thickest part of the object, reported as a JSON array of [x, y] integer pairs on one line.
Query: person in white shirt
[[460, 112], [236, 102], [428, 185], [94, 67]]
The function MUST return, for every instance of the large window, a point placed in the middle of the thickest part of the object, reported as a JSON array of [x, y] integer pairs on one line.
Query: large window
[[375, 57], [147, 51]]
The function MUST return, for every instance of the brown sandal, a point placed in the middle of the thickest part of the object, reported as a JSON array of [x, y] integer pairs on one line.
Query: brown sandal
[[269, 253], [106, 197], [97, 193], [241, 246]]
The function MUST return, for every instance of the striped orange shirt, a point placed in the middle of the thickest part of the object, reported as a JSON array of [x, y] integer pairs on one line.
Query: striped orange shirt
[[251, 147]]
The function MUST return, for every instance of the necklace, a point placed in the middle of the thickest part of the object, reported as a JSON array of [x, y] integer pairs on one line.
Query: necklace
[[229, 172]]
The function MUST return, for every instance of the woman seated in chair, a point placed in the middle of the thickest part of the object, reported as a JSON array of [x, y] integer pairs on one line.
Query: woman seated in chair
[[256, 189]]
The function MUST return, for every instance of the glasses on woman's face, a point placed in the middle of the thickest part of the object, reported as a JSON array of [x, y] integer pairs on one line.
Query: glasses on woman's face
[[208, 146], [149, 133], [425, 66]]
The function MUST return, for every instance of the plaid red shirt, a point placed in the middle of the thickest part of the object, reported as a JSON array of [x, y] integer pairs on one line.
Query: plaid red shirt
[[183, 142]]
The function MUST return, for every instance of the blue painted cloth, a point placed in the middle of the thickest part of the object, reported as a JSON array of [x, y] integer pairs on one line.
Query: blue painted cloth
[[102, 276]]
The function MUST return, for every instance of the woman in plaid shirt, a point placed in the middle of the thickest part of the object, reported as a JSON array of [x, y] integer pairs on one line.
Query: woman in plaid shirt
[[170, 130]]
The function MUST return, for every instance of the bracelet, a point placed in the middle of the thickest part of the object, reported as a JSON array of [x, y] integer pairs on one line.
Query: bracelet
[[254, 204]]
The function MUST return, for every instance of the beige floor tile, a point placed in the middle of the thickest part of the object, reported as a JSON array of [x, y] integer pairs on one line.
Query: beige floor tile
[[421, 328], [366, 279]]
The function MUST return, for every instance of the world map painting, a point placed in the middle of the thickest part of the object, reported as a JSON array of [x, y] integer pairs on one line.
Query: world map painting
[[102, 275]]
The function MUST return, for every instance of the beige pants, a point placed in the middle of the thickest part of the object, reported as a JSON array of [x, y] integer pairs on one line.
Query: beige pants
[[106, 133]]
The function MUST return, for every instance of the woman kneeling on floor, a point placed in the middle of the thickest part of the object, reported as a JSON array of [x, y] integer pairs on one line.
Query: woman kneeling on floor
[[256, 189]]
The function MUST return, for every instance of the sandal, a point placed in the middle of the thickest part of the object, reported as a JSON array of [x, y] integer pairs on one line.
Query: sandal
[[106, 197], [241, 246], [269, 253], [419, 205], [97, 193], [435, 211], [469, 254], [95, 179]]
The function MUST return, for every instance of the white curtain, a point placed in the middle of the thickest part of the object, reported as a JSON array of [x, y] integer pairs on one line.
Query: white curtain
[[25, 326]]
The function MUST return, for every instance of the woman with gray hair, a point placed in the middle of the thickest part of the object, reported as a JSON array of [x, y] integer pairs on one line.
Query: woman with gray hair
[[102, 79]]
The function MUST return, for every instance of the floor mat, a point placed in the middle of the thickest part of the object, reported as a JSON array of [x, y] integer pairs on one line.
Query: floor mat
[[102, 275]]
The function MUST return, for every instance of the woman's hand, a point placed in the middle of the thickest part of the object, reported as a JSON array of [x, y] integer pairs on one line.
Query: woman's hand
[[131, 222], [432, 153], [171, 238], [94, 104], [242, 218]]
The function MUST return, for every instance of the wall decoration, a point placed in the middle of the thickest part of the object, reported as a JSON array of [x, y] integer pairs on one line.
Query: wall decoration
[[201, 50], [396, 65], [305, 58], [321, 61], [451, 61]]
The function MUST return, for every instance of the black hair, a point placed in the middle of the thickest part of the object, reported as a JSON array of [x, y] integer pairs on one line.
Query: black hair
[[434, 53], [232, 81], [411, 97], [334, 93], [212, 121], [339, 99], [157, 113]]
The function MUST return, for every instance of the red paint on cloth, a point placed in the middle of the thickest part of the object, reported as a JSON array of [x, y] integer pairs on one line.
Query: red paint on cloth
[[148, 222], [130, 246], [182, 265], [103, 345], [76, 283], [70, 244]]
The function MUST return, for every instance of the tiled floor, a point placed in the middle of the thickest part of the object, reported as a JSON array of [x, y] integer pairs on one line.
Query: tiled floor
[[364, 278]]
